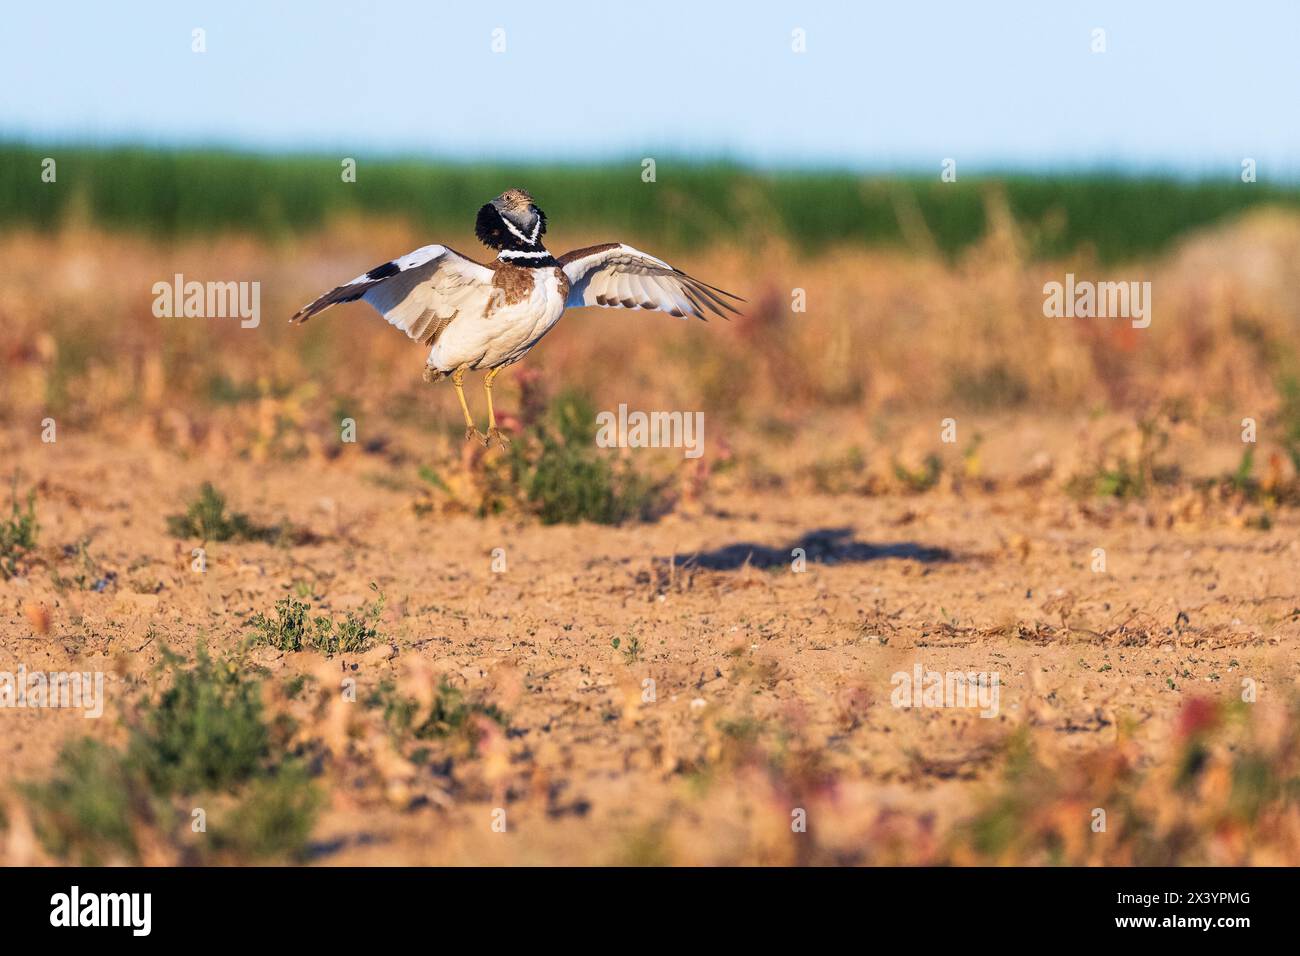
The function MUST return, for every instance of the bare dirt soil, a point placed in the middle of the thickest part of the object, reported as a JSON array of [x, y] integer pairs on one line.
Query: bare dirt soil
[[741, 694], [716, 685]]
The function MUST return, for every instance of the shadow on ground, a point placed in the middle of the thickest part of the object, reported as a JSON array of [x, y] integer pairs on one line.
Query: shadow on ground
[[823, 546]]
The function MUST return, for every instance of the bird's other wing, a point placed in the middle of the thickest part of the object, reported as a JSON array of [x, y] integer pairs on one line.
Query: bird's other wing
[[617, 276], [419, 293]]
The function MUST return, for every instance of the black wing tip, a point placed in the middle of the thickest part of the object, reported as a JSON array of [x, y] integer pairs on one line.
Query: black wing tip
[[711, 288], [729, 295], [706, 294], [307, 311], [344, 293]]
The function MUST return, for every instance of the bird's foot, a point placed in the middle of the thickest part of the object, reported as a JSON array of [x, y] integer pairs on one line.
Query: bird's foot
[[499, 435], [472, 433]]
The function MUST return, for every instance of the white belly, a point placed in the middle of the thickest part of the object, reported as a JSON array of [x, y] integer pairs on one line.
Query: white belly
[[504, 334]]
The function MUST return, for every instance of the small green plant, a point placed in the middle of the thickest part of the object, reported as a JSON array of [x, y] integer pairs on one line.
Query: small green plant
[[206, 519], [206, 730], [839, 474], [17, 532], [433, 479], [202, 741], [293, 628], [88, 575], [565, 478], [743, 730], [450, 714], [1260, 522], [84, 811], [294, 686], [1124, 476], [1241, 479], [274, 819], [358, 631], [631, 648], [970, 456], [1121, 482], [920, 479], [1242, 483]]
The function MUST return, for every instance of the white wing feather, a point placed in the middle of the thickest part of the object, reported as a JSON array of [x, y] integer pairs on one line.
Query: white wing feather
[[617, 276], [420, 293]]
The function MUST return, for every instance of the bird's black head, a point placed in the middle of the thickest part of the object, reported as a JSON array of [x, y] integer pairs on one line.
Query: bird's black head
[[511, 221]]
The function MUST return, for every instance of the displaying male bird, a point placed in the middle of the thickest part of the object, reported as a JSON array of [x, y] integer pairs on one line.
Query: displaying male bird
[[478, 316]]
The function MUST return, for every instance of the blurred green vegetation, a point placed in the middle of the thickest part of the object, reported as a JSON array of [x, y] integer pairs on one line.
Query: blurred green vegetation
[[205, 740], [179, 192], [17, 532]]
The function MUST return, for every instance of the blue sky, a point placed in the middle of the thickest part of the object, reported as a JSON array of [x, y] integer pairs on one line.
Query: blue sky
[[1187, 87]]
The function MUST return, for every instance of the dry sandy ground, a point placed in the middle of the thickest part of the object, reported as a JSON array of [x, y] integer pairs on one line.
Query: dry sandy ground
[[771, 688]]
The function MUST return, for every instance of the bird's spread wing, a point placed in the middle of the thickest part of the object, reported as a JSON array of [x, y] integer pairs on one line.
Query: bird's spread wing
[[419, 293], [618, 276]]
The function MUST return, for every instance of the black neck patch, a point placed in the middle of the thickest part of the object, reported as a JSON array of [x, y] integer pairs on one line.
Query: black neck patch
[[494, 232], [543, 261]]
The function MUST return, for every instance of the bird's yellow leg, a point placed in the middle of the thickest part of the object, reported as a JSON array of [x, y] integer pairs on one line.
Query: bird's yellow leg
[[493, 431], [458, 379]]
